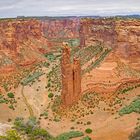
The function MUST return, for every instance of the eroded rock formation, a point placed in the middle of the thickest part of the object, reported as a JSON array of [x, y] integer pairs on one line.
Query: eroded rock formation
[[16, 32], [71, 78], [121, 35], [23, 41]]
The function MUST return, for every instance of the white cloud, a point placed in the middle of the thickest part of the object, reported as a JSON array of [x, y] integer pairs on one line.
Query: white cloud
[[9, 8]]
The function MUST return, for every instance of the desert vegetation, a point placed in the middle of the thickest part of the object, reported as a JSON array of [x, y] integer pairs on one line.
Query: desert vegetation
[[9, 100], [31, 77], [31, 130], [133, 107]]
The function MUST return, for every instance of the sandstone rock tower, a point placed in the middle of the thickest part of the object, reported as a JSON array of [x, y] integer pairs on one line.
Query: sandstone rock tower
[[71, 78]]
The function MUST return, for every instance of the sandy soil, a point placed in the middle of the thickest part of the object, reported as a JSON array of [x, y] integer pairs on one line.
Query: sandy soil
[[105, 126]]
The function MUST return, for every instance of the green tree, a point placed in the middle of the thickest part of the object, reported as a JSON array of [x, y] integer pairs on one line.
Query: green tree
[[10, 95], [11, 135], [88, 130]]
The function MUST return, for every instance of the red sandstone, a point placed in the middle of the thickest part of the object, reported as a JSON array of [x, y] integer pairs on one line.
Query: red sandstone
[[71, 78]]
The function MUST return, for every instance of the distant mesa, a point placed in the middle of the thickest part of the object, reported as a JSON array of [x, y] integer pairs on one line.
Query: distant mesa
[[20, 16]]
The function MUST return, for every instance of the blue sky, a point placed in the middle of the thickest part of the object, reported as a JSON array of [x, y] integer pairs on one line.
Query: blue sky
[[13, 8]]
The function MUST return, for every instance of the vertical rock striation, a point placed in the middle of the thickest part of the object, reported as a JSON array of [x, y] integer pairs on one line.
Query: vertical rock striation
[[67, 79], [76, 78], [71, 78]]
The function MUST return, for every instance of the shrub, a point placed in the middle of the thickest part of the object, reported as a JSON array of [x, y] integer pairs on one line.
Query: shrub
[[86, 138], [49, 84], [11, 135], [72, 127], [45, 114], [88, 123], [11, 107], [5, 86], [46, 64], [133, 107], [56, 120], [69, 135], [31, 129], [31, 78], [88, 130], [1, 96], [9, 120], [56, 104], [50, 56], [50, 95], [10, 95], [39, 132]]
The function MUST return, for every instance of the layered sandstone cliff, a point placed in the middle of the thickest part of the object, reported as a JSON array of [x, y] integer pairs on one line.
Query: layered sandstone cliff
[[61, 28], [23, 41], [14, 32], [37, 36], [17, 41], [122, 35], [128, 38]]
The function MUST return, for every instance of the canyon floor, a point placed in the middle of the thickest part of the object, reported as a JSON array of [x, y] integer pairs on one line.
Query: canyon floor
[[33, 99], [31, 76]]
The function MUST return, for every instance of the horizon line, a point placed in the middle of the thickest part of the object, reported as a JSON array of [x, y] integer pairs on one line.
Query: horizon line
[[32, 16]]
